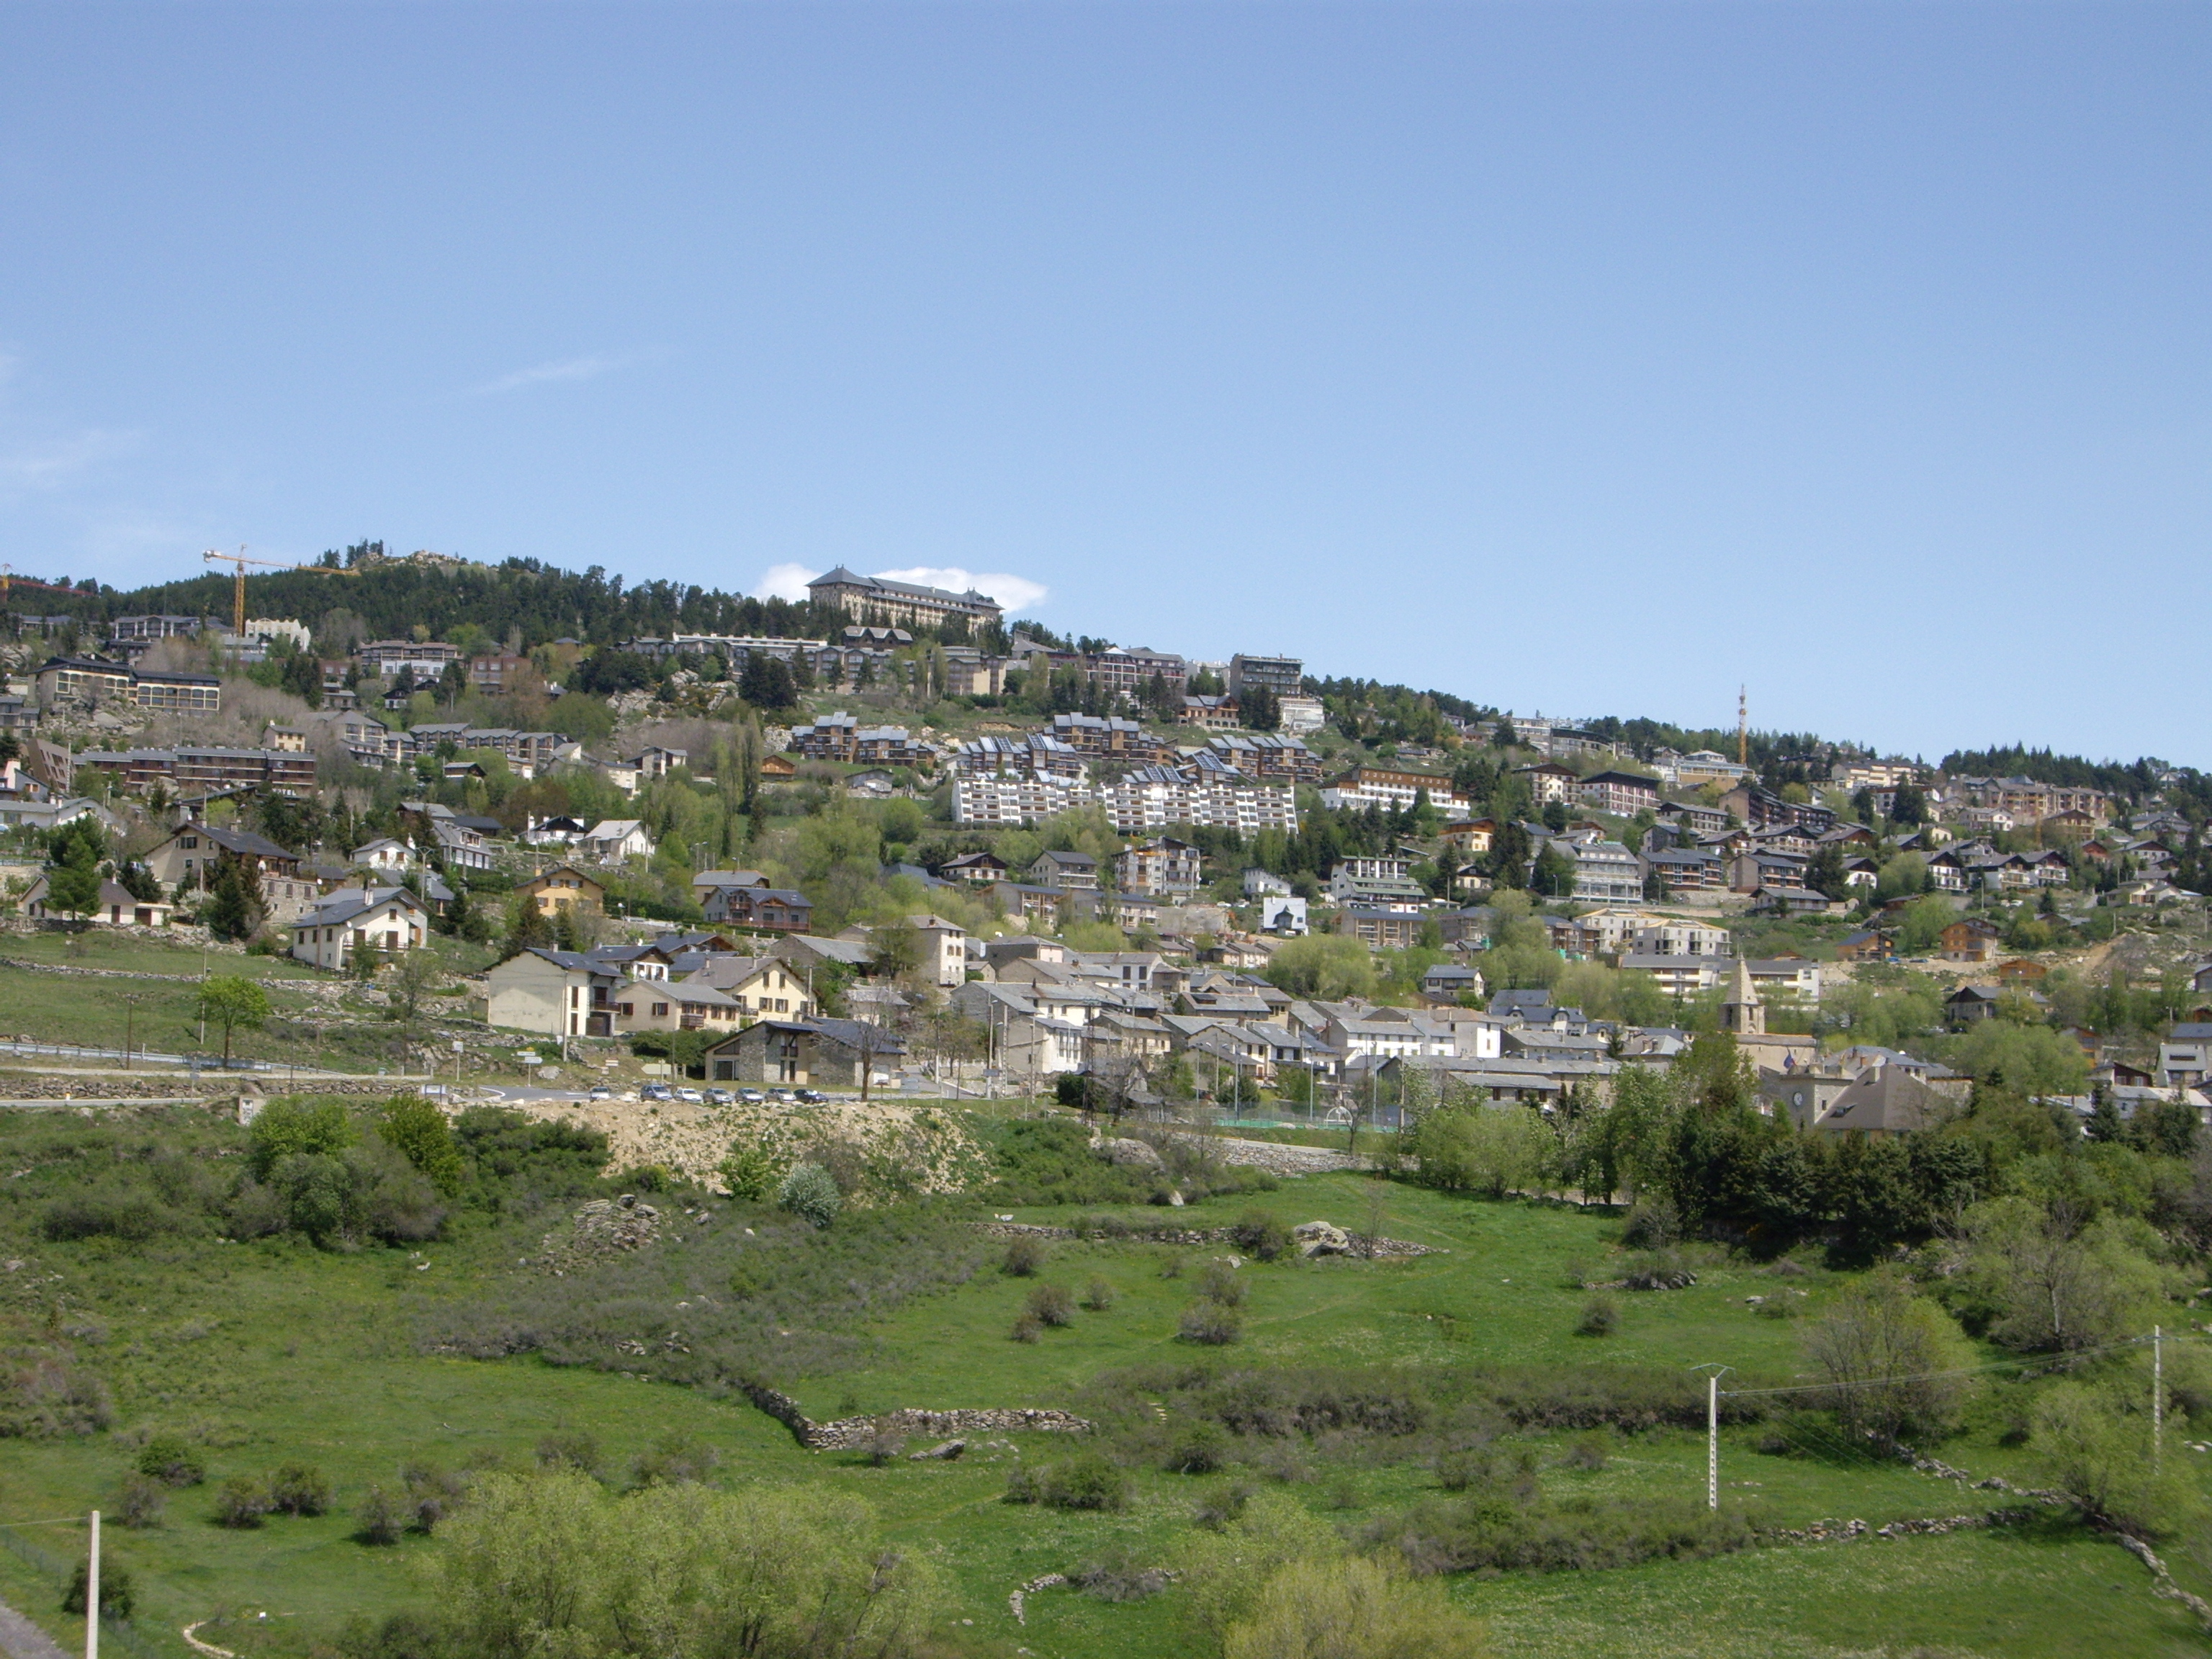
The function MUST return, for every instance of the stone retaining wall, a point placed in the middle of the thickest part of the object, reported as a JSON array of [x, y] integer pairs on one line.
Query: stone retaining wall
[[1282, 1158]]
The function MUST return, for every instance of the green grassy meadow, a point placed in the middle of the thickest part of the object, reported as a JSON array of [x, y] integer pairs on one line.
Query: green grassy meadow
[[272, 1351]]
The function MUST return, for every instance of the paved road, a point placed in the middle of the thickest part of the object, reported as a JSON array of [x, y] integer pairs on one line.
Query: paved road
[[21, 1639]]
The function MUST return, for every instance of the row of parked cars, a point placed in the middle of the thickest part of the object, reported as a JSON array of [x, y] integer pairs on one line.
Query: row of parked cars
[[725, 1097]]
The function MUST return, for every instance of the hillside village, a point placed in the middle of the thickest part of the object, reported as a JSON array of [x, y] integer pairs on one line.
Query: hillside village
[[904, 844]]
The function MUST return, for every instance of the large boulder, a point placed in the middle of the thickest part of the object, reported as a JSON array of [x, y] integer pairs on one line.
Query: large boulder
[[1130, 1154], [1322, 1238]]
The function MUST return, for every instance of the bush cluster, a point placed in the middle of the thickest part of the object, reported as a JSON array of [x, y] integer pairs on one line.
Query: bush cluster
[[1088, 1481], [1050, 1161], [341, 1179], [295, 1489], [1501, 1524]]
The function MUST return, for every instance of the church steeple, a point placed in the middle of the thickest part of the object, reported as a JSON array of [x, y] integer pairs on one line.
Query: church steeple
[[1743, 1012]]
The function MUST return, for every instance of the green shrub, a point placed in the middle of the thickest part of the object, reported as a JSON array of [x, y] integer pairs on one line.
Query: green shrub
[[673, 1459], [50, 1398], [1585, 1451], [1027, 1329], [364, 1192], [2093, 1446], [133, 1215], [296, 1489], [1026, 1254], [168, 1460], [383, 1517], [1098, 1295], [1260, 1234], [749, 1172], [808, 1192], [645, 1178], [431, 1494], [241, 1503], [419, 1131], [1488, 1468], [286, 1129], [1493, 1531], [1219, 1283], [1600, 1317], [1051, 1304], [1652, 1223], [141, 1502], [1084, 1481], [1200, 1448], [1630, 1398], [569, 1449], [116, 1598], [1210, 1324]]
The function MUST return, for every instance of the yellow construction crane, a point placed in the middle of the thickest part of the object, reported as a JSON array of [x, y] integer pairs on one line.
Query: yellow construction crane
[[9, 579], [237, 560]]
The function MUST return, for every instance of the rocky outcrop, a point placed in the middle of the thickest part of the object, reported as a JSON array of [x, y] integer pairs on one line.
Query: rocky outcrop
[[603, 1227], [1836, 1532], [1130, 1154]]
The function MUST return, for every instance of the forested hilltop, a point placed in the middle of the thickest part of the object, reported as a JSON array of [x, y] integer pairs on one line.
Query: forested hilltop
[[526, 602]]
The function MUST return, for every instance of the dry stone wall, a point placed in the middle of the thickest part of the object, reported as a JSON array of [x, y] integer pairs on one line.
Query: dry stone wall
[[1353, 1245], [848, 1433]]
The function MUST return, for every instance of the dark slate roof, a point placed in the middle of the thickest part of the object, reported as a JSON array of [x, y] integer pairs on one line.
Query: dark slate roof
[[240, 841], [343, 907]]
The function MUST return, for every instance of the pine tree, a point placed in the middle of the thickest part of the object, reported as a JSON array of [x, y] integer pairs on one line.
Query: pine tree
[[234, 907], [73, 880]]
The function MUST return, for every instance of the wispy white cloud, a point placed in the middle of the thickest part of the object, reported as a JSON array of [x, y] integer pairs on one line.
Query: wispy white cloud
[[49, 464], [784, 581], [569, 368], [1015, 593]]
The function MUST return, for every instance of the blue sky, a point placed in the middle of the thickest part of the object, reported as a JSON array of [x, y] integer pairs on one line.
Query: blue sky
[[1575, 358]]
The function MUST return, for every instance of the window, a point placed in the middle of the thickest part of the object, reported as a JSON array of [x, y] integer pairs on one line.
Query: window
[[660, 1010], [625, 1009]]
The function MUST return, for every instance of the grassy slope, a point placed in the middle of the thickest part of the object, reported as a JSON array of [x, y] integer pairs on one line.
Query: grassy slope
[[89, 1010], [277, 1353]]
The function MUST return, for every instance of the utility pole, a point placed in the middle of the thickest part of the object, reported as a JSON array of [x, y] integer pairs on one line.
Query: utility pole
[[1713, 1375], [92, 1594], [2157, 1393], [1713, 1441], [1742, 728]]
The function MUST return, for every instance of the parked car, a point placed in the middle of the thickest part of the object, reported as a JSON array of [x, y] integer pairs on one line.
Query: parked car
[[600, 1091], [784, 1097], [690, 1095], [656, 1091], [751, 1097], [812, 1097], [719, 1096]]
